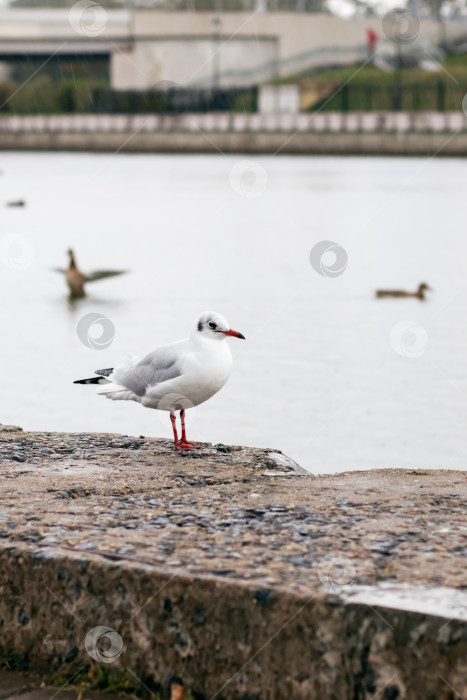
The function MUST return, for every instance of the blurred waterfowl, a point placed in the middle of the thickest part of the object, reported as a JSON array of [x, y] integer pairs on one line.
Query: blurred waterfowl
[[76, 279], [419, 294], [16, 203]]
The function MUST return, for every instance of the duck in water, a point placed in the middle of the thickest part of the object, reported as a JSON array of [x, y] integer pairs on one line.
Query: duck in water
[[76, 279], [419, 294]]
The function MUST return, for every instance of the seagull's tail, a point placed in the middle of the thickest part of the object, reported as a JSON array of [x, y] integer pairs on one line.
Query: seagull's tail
[[101, 378], [113, 391], [117, 392], [92, 380]]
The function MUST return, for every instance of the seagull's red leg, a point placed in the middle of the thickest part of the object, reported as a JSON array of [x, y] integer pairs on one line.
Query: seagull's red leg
[[184, 443], [174, 428]]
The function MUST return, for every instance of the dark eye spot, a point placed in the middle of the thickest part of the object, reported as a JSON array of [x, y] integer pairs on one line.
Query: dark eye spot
[[200, 326], [212, 325]]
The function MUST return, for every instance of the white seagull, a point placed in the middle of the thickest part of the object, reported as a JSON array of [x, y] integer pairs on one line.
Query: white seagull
[[176, 376]]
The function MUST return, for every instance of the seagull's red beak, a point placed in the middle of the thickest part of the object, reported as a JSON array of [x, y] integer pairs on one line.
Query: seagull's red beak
[[234, 334]]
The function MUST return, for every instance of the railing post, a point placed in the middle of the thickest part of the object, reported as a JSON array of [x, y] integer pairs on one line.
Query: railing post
[[441, 96], [397, 85], [368, 97], [345, 98]]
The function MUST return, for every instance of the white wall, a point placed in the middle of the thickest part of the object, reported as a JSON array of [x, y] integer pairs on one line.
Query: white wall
[[178, 46], [188, 61]]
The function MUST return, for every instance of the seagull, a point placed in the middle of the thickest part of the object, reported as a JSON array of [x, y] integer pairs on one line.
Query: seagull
[[176, 376], [419, 294], [76, 279]]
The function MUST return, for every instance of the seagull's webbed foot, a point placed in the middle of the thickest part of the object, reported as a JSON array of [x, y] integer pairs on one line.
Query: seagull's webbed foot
[[186, 445]]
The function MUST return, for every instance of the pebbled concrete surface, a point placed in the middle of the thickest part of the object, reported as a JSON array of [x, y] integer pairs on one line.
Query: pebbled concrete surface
[[227, 568], [19, 686]]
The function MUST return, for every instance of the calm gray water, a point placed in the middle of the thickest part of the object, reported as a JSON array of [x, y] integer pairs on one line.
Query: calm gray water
[[333, 377]]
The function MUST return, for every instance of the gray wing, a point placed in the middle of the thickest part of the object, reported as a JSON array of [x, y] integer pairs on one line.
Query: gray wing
[[102, 274], [58, 269], [156, 367]]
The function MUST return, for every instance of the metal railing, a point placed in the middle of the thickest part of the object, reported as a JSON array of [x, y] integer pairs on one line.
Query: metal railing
[[437, 96], [175, 100], [440, 96]]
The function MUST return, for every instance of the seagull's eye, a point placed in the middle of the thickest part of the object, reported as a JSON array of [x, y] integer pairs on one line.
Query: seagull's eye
[[212, 325]]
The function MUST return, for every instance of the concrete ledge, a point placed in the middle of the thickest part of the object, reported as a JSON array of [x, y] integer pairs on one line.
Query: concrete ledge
[[373, 133], [228, 569]]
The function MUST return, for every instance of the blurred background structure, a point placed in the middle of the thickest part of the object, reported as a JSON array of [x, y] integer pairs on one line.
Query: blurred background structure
[[231, 56]]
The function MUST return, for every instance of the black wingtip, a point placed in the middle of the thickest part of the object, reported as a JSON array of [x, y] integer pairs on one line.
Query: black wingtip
[[100, 379], [91, 380]]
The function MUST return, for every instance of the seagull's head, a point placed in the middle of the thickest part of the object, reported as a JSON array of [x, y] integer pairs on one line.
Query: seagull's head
[[213, 325]]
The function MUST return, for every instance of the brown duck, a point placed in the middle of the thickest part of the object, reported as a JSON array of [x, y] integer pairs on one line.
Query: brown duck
[[76, 279], [419, 294]]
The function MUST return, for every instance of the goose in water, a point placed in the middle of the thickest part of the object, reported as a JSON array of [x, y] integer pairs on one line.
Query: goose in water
[[76, 279], [419, 294]]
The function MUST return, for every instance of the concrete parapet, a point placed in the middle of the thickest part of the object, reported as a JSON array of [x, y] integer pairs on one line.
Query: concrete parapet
[[230, 569]]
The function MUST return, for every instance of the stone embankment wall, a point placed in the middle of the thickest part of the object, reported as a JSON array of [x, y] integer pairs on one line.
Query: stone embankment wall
[[372, 133], [126, 563]]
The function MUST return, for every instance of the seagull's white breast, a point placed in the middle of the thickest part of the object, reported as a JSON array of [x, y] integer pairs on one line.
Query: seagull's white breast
[[205, 368]]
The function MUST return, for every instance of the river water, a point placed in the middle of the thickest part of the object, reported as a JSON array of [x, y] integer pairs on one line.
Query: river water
[[335, 378]]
